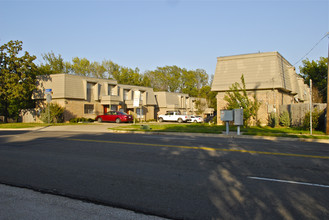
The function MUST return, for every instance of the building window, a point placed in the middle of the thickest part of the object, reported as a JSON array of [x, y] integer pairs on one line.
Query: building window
[[89, 109], [89, 91], [141, 96], [111, 90], [125, 94], [139, 113], [114, 107]]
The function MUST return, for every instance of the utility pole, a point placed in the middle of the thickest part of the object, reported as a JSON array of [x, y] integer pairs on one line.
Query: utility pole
[[311, 107], [327, 117]]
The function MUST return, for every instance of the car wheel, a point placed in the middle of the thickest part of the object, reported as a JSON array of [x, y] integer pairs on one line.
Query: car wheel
[[180, 120], [99, 120], [195, 121], [117, 120], [160, 119]]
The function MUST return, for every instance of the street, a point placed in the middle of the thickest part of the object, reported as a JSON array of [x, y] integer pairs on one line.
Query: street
[[171, 176]]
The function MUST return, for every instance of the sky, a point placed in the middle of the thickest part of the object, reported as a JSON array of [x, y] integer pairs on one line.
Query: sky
[[155, 33]]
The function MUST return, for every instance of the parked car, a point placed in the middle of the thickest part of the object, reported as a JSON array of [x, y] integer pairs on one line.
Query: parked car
[[174, 116], [114, 116], [196, 119]]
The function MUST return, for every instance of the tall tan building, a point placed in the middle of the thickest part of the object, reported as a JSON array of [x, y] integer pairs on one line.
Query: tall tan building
[[268, 75]]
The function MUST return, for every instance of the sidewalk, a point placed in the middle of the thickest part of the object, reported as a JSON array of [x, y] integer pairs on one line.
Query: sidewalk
[[19, 203]]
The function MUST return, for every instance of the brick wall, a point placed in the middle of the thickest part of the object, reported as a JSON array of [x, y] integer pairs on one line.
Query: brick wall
[[270, 101]]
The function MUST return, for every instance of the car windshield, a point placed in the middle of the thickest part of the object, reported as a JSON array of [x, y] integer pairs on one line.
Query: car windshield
[[122, 113]]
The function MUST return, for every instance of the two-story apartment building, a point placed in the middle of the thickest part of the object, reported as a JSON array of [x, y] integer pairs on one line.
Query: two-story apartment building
[[172, 101], [268, 76], [88, 97]]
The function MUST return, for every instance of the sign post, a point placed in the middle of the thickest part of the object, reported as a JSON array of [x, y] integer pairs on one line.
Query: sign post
[[137, 95], [48, 98]]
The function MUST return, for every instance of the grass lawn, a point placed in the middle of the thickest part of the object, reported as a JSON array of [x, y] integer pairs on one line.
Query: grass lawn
[[218, 129], [33, 125], [190, 128]]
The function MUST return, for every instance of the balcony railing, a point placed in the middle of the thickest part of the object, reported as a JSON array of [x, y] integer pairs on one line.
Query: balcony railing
[[110, 99]]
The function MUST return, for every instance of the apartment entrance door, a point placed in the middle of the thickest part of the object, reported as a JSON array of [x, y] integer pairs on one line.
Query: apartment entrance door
[[106, 108]]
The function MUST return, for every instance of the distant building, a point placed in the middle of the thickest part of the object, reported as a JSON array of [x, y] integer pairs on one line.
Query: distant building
[[269, 76], [172, 101], [88, 97]]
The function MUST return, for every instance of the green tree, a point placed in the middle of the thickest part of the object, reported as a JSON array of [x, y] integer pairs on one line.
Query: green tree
[[54, 64], [125, 75], [165, 78], [237, 97], [205, 92], [176, 79], [317, 71], [17, 79], [80, 66], [52, 113]]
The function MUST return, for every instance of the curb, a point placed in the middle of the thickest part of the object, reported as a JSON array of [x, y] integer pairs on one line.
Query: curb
[[225, 136], [233, 136]]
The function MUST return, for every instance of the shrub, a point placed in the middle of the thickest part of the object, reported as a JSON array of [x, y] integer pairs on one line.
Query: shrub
[[82, 119], [52, 113], [285, 119], [273, 120], [315, 120]]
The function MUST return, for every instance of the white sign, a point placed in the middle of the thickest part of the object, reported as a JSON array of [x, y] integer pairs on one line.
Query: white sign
[[137, 95]]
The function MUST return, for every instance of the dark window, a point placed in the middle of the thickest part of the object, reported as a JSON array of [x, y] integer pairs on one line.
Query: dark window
[[89, 109]]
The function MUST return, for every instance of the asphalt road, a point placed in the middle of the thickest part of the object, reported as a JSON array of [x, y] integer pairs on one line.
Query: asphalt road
[[179, 177]]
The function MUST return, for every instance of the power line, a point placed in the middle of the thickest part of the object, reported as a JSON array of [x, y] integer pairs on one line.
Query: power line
[[327, 34]]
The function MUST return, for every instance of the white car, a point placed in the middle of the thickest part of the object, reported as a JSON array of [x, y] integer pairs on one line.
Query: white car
[[196, 119]]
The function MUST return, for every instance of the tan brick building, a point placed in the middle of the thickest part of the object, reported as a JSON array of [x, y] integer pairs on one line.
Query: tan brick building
[[172, 101], [269, 76], [88, 97]]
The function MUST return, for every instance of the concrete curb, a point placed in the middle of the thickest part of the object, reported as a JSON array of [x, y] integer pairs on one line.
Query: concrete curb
[[226, 136], [105, 129]]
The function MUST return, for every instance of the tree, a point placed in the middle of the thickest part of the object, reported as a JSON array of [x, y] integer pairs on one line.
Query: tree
[[52, 113], [54, 64], [205, 92], [17, 80], [237, 97], [176, 79], [317, 71]]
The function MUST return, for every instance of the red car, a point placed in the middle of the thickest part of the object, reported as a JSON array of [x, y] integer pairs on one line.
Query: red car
[[114, 116]]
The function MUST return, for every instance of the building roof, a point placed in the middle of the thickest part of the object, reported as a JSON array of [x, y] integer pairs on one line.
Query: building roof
[[269, 70]]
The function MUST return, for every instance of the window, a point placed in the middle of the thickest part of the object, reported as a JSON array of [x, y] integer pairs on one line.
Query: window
[[89, 91], [125, 94], [89, 109], [141, 96], [139, 111], [111, 90]]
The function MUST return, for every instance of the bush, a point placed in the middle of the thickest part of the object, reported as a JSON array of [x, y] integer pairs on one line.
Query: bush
[[82, 119], [273, 120], [285, 119], [52, 113], [315, 120]]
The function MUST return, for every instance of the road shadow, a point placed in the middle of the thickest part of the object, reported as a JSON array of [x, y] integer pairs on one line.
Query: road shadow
[[186, 177]]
